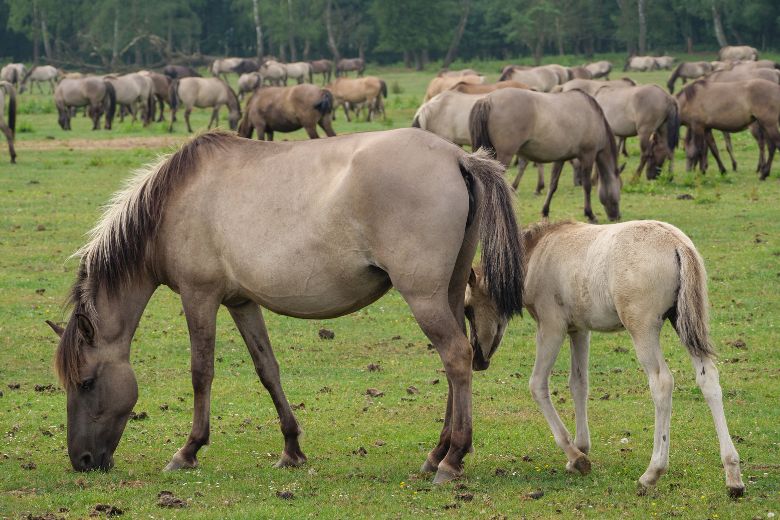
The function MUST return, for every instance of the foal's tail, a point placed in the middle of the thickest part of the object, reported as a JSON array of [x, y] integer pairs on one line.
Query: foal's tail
[[478, 126], [692, 315], [502, 248]]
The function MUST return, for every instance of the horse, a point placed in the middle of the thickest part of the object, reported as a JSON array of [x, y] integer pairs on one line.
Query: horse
[[639, 64], [591, 86], [737, 53], [221, 67], [273, 72], [97, 94], [447, 115], [543, 127], [599, 69], [648, 112], [132, 90], [180, 71], [688, 70], [542, 79], [441, 83], [204, 93], [470, 88], [632, 276], [160, 89], [324, 67], [346, 65], [286, 109], [729, 107], [248, 82], [347, 91], [40, 74], [8, 128], [457, 73], [13, 73], [664, 62], [580, 73], [300, 71], [308, 229]]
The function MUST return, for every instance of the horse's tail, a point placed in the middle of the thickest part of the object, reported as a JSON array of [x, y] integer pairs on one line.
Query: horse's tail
[[383, 88], [325, 104], [11, 91], [673, 78], [111, 102], [506, 74], [150, 106], [691, 316], [502, 248], [173, 93], [245, 127], [672, 125], [478, 126]]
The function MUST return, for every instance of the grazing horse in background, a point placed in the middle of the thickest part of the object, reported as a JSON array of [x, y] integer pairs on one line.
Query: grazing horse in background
[[248, 82], [729, 107], [274, 73], [160, 89], [13, 73], [543, 79], [632, 276], [447, 115], [440, 84], [346, 65], [8, 128], [180, 71], [204, 93], [311, 229], [599, 69], [580, 73], [97, 94], [351, 92], [220, 68], [591, 86], [299, 71], [737, 53], [664, 62], [543, 127], [639, 64], [324, 67], [689, 70], [40, 74], [133, 90], [286, 109], [457, 73]]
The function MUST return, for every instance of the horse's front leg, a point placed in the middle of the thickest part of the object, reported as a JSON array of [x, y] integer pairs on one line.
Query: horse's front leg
[[438, 453], [578, 384], [585, 169], [710, 140], [729, 150], [200, 309], [554, 177], [250, 323], [522, 164], [311, 131], [187, 113]]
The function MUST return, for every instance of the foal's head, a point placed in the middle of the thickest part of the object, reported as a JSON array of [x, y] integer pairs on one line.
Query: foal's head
[[487, 324]]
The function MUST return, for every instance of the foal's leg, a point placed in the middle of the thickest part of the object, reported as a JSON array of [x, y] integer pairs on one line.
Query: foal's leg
[[578, 384], [200, 308], [554, 177], [249, 321]]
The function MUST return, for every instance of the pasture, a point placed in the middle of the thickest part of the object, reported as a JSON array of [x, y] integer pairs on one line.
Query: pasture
[[364, 451]]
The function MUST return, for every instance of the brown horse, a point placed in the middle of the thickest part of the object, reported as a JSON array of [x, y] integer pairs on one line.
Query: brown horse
[[543, 127], [95, 93], [441, 83], [368, 90], [180, 71], [286, 109], [324, 67], [309, 229], [632, 276], [8, 128], [346, 65]]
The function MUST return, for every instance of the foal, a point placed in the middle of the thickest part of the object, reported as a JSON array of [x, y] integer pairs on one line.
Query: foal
[[633, 276]]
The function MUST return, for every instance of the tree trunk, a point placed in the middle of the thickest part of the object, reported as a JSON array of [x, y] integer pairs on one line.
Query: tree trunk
[[417, 61], [424, 58], [538, 50], [362, 50], [258, 29], [35, 26], [689, 41], [407, 60], [115, 45], [45, 38], [282, 53], [329, 27], [306, 49], [291, 32], [559, 35], [453, 50], [642, 28], [718, 24]]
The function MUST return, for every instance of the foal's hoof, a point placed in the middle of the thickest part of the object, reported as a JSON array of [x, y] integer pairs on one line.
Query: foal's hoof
[[288, 461], [581, 465], [736, 491], [180, 462], [446, 473], [429, 467]]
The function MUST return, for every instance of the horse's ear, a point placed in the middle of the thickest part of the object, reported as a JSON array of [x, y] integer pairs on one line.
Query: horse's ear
[[472, 278], [59, 331], [85, 327]]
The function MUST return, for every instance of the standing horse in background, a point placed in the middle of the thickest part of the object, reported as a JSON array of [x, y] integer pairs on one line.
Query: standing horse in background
[[97, 94], [245, 224], [8, 128], [580, 73], [447, 115], [346, 65], [591, 86], [160, 90], [441, 83], [555, 128], [639, 64], [299, 71], [689, 70], [13, 73], [632, 276], [204, 93], [349, 92], [274, 73], [599, 69], [286, 109], [180, 71], [664, 62], [470, 88], [324, 67], [40, 74], [248, 82], [220, 68], [543, 79], [134, 90], [737, 53], [457, 73]]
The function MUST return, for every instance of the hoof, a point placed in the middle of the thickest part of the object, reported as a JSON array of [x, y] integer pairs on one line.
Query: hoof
[[581, 465], [446, 474], [642, 490], [429, 467], [286, 461], [179, 462], [736, 491]]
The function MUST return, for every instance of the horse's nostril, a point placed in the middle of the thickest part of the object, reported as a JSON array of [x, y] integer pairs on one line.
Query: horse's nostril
[[86, 461]]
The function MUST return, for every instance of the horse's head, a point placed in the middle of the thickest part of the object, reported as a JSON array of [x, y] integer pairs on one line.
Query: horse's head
[[487, 325], [101, 391]]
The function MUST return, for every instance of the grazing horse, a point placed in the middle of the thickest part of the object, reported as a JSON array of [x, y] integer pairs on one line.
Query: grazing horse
[[9, 128], [312, 229], [640, 64], [13, 73], [180, 71], [591, 86], [632, 276], [160, 89], [689, 70], [40, 74], [664, 62], [737, 53], [221, 67], [730, 107], [368, 90], [543, 127], [299, 71], [543, 79], [286, 109], [441, 83], [447, 115], [204, 93], [274, 73], [248, 82], [97, 94], [580, 73], [599, 69], [133, 90], [324, 67], [648, 112], [346, 65]]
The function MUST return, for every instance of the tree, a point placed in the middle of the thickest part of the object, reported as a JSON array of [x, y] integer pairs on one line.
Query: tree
[[458, 35]]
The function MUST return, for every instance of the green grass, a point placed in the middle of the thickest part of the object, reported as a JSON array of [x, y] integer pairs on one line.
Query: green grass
[[51, 198]]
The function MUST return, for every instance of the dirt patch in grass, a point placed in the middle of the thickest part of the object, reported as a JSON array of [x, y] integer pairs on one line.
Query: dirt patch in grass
[[117, 143]]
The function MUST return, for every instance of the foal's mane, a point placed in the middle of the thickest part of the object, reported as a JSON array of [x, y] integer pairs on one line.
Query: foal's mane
[[119, 246], [533, 233]]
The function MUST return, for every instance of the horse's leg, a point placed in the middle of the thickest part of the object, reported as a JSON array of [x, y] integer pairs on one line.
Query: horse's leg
[[250, 323], [714, 149], [311, 131], [346, 112], [326, 124], [578, 384], [586, 167], [755, 130], [770, 132], [622, 146], [200, 309], [173, 118], [707, 379], [554, 177], [161, 102], [549, 338], [645, 150], [522, 164], [539, 178], [730, 150], [214, 117], [9, 136], [187, 112]]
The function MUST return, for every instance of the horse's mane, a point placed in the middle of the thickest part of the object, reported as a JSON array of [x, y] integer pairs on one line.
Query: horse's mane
[[607, 129], [118, 248], [691, 88]]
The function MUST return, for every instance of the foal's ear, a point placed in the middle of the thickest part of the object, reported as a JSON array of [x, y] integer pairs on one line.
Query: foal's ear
[[85, 327], [56, 328], [472, 278]]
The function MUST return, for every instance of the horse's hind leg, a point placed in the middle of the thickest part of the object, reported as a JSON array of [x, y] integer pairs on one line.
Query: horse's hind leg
[[714, 149], [251, 325], [311, 131], [554, 177], [9, 136], [327, 125], [730, 150], [586, 166], [522, 164], [578, 384], [187, 113]]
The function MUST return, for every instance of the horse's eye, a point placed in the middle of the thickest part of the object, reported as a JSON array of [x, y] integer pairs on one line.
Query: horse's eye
[[87, 384]]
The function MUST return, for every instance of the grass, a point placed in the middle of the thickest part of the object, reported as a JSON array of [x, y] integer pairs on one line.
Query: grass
[[52, 197]]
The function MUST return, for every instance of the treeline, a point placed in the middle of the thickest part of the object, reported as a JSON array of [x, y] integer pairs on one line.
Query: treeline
[[114, 34]]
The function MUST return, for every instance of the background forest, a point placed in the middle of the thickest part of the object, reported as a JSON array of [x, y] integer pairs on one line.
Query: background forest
[[114, 34]]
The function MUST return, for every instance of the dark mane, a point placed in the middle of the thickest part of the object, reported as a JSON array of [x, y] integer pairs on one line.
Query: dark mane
[[607, 129], [689, 91]]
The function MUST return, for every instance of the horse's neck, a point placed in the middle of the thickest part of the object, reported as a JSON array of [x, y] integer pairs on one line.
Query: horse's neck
[[119, 313]]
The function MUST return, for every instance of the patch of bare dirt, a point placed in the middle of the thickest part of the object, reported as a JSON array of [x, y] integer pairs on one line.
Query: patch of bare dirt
[[117, 143]]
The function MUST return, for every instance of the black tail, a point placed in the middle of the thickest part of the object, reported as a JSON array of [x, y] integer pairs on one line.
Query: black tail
[[478, 126], [173, 93], [384, 88], [325, 104], [111, 93], [11, 109], [150, 105], [673, 78], [673, 126]]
